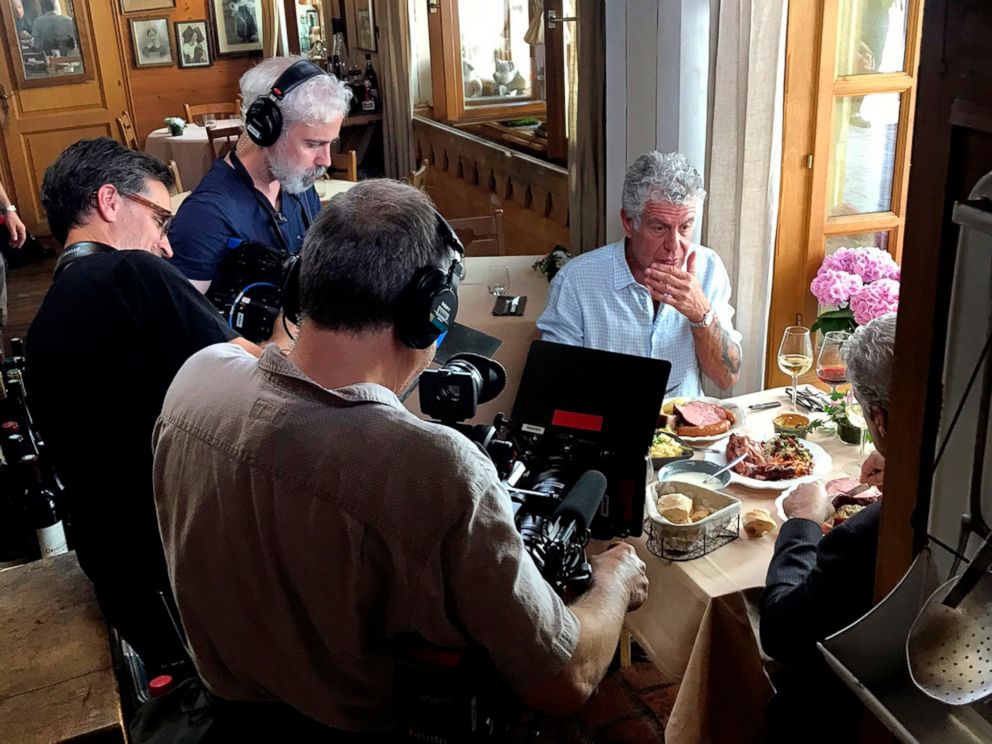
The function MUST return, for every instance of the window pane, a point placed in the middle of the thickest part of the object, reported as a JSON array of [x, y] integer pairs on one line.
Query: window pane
[[871, 36], [862, 154], [49, 42], [878, 239], [498, 63]]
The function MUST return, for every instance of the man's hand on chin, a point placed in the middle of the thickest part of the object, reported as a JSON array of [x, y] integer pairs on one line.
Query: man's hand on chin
[[680, 289]]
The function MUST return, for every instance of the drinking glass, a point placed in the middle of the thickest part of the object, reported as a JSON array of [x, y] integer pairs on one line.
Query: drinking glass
[[795, 356], [498, 280], [209, 120], [830, 365], [856, 417]]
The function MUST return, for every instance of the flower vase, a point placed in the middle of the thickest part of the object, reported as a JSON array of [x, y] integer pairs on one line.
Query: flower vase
[[848, 433], [176, 130]]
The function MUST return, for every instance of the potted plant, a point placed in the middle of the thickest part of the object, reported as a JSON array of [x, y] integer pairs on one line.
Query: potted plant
[[175, 124], [550, 265], [862, 283], [836, 412]]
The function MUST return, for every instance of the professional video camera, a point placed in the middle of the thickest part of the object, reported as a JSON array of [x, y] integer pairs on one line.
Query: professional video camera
[[248, 288]]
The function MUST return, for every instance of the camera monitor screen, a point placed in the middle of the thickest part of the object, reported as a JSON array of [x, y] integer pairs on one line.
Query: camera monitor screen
[[601, 396]]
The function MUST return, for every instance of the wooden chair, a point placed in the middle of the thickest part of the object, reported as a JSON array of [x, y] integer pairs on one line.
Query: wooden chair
[[174, 170], [418, 178], [223, 139], [344, 166], [220, 110], [126, 130], [481, 236]]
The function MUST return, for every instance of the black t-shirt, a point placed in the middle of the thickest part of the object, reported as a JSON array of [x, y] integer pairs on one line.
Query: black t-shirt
[[110, 336]]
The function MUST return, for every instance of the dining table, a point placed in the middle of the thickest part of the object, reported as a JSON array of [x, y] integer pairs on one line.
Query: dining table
[[326, 188], [191, 150], [699, 623]]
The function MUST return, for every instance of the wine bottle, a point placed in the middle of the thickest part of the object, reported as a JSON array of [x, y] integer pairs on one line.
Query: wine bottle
[[44, 515], [370, 101]]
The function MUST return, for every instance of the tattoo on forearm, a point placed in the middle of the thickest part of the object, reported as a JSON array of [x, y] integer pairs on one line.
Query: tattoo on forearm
[[731, 353]]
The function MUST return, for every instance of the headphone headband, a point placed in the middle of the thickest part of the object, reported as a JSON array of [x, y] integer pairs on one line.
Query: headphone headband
[[263, 121], [296, 74]]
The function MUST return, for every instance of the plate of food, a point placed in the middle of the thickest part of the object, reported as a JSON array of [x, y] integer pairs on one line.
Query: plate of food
[[701, 420], [776, 463], [847, 500]]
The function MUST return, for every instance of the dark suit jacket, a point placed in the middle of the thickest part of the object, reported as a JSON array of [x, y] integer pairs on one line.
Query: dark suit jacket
[[817, 584]]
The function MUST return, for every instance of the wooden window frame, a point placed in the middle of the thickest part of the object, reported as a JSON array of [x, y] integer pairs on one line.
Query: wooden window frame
[[811, 91], [447, 83]]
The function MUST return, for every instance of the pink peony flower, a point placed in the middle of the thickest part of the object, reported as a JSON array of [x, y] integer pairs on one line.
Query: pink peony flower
[[874, 300], [869, 263], [834, 287]]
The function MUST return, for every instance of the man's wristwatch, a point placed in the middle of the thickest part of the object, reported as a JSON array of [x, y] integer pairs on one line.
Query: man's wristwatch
[[9, 208], [704, 322]]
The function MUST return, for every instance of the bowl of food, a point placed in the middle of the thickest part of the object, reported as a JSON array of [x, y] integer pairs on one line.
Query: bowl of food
[[667, 448], [694, 472], [792, 424]]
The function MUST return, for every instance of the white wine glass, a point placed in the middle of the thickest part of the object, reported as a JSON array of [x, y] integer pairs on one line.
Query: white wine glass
[[856, 417], [498, 280], [795, 356]]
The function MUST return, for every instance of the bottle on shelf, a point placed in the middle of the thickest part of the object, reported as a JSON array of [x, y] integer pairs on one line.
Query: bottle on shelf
[[337, 68], [41, 507], [370, 98]]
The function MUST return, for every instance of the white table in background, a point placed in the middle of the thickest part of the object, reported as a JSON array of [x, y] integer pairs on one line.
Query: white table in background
[[191, 150]]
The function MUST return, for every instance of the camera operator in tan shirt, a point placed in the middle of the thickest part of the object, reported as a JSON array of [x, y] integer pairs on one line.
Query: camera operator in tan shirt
[[310, 520]]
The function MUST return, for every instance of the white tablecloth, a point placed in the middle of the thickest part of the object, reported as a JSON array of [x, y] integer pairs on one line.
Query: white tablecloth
[[191, 150]]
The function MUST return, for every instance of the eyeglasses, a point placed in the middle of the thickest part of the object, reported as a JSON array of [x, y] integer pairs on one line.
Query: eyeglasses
[[163, 217]]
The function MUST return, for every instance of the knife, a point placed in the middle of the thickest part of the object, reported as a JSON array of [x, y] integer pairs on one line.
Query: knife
[[764, 406]]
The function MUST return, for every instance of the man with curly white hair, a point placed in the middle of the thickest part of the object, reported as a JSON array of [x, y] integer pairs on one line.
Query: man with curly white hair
[[655, 293], [263, 192]]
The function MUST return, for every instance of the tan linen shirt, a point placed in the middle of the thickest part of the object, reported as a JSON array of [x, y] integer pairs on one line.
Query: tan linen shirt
[[304, 528]]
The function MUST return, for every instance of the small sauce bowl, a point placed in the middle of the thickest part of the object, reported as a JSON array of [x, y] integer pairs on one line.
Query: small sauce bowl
[[791, 423]]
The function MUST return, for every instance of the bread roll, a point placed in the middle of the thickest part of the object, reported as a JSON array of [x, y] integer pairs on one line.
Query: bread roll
[[675, 507], [757, 522], [700, 512]]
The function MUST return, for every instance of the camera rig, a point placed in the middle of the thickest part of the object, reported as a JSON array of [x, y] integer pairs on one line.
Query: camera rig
[[248, 288]]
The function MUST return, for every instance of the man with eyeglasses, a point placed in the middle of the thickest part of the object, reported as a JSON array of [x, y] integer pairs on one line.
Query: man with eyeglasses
[[114, 328]]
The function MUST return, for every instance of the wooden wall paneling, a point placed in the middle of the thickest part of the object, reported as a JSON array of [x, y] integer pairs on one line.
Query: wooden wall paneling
[[469, 177], [158, 92], [947, 149]]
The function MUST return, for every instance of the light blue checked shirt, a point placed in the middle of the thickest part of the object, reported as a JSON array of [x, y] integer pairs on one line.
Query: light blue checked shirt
[[595, 302]]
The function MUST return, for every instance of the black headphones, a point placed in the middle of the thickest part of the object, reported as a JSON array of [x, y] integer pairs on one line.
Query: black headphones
[[427, 306], [263, 122]]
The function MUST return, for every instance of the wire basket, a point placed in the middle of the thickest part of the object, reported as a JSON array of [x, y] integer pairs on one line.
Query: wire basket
[[684, 542]]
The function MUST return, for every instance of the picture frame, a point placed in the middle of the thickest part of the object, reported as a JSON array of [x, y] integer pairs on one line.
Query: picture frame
[[364, 26], [152, 42], [192, 44], [236, 26], [143, 6]]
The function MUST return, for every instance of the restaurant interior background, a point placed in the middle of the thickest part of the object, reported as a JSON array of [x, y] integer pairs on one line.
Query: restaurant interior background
[[817, 124]]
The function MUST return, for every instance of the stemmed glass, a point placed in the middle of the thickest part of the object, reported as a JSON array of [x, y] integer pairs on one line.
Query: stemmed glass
[[856, 417], [795, 356], [830, 365], [498, 280]]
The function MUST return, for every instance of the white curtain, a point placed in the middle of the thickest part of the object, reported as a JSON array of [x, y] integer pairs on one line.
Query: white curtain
[[395, 87], [745, 154]]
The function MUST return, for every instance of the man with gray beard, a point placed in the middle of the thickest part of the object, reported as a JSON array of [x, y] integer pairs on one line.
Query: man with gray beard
[[263, 191]]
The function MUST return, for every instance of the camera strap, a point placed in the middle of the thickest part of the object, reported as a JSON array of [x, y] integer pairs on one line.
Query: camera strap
[[76, 251]]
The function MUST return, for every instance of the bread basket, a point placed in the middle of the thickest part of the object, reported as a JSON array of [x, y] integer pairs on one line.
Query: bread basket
[[683, 542]]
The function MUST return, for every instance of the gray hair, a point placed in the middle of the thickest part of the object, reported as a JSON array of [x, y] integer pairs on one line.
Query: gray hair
[[363, 250], [868, 354], [315, 101], [656, 176]]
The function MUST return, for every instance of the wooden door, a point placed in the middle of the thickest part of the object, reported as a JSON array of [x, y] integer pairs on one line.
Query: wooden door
[[53, 97]]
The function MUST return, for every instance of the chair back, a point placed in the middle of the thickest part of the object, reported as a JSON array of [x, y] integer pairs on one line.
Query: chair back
[[221, 110], [481, 236], [344, 166], [174, 170], [223, 139], [418, 178], [126, 130]]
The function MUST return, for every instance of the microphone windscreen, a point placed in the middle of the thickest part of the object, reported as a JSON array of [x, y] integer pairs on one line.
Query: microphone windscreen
[[583, 499]]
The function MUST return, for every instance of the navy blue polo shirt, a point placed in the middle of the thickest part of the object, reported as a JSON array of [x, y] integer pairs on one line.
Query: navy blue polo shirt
[[225, 206]]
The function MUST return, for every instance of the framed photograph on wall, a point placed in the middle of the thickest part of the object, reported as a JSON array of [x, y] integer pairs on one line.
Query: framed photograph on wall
[[141, 6], [152, 46], [237, 26], [192, 45], [364, 25]]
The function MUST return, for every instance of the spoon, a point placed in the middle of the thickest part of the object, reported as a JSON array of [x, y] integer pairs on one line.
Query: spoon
[[727, 467]]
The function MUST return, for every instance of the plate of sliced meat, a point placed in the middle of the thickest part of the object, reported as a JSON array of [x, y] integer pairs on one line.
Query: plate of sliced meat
[[777, 463], [849, 496], [701, 420]]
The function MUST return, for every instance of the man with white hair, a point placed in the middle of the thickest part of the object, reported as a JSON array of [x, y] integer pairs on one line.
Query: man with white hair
[[263, 191], [654, 294], [818, 584]]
